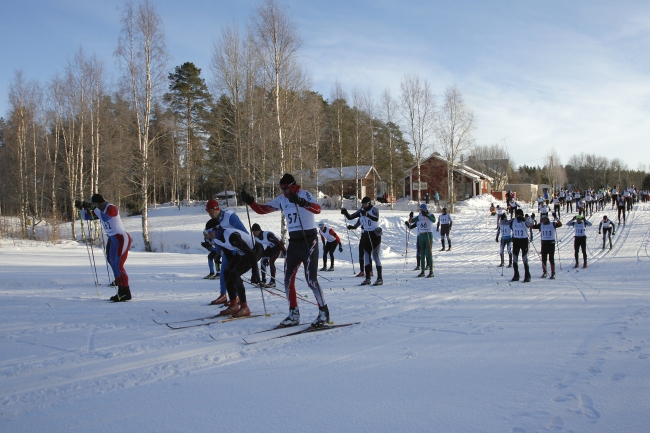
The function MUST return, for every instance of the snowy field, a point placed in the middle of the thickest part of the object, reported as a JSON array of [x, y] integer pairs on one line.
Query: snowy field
[[466, 351]]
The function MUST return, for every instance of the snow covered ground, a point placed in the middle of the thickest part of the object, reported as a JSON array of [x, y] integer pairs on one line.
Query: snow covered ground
[[466, 351]]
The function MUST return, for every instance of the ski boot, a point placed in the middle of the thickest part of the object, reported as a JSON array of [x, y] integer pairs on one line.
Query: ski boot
[[417, 268], [516, 276], [544, 274], [210, 276], [430, 274], [361, 274], [379, 282], [292, 319], [443, 246], [552, 272], [449, 248], [421, 274], [584, 266], [222, 299], [323, 269], [331, 268], [510, 260], [576, 265], [271, 284], [243, 311], [232, 309], [123, 294], [323, 317], [501, 265]]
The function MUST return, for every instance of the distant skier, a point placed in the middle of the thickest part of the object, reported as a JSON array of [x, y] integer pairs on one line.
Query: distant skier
[[608, 229], [119, 241], [330, 241], [424, 222], [505, 230], [371, 237], [243, 254], [299, 208], [621, 206], [273, 246], [444, 226], [548, 235], [579, 225], [520, 227]]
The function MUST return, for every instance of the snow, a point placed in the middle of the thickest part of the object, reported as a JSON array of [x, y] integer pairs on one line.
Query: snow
[[466, 351]]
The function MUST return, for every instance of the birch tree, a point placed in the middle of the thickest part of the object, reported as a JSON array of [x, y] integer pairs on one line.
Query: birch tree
[[454, 133], [142, 54], [418, 113]]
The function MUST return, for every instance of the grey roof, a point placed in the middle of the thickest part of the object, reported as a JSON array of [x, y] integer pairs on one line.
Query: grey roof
[[331, 174]]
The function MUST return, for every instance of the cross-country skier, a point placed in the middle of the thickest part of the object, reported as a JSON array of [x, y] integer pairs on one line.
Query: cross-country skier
[[505, 230], [330, 240], [118, 238], [520, 227], [556, 206], [214, 255], [608, 229], [371, 237], [243, 254], [547, 230], [410, 226], [273, 246], [444, 226], [579, 225], [620, 204], [424, 222], [512, 206], [299, 208], [500, 211], [569, 202], [228, 220]]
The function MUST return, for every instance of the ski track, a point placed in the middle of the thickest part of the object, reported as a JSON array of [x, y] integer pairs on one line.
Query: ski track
[[53, 361]]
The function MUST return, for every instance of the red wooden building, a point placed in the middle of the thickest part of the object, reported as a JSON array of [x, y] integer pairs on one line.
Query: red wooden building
[[433, 171]]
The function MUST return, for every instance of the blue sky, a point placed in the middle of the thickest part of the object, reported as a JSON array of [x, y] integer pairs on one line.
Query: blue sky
[[540, 74]]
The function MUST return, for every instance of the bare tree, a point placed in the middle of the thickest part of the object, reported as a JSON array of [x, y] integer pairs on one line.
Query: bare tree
[[454, 133], [142, 54], [493, 160], [339, 103], [418, 112], [389, 107], [553, 169], [278, 44]]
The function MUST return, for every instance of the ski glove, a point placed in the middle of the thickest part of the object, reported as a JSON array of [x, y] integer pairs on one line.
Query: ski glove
[[598, 231], [78, 204], [340, 249], [246, 197], [344, 211], [206, 245], [351, 227], [411, 215], [293, 198], [407, 223], [497, 239]]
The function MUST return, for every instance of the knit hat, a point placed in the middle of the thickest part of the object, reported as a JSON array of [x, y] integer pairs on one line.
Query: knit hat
[[423, 206], [212, 205], [97, 198], [256, 228], [287, 179], [365, 200]]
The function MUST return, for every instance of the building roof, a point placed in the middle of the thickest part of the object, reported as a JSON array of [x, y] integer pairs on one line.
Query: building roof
[[332, 174], [461, 169]]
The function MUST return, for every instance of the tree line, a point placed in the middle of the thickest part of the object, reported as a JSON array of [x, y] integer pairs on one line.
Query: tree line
[[167, 134]]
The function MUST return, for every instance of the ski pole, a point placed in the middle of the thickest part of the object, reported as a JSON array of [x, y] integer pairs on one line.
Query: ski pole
[[105, 254], [246, 280], [350, 246], [254, 264], [93, 269]]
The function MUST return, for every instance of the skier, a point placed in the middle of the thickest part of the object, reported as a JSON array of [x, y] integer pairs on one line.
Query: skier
[[547, 229], [410, 226], [330, 240], [214, 255], [519, 227], [556, 205], [243, 254], [505, 230], [444, 226], [371, 237], [493, 210], [272, 248], [512, 206], [227, 219], [614, 195], [608, 229], [424, 222], [579, 225], [299, 208], [436, 199], [500, 211], [620, 204], [569, 202], [119, 239]]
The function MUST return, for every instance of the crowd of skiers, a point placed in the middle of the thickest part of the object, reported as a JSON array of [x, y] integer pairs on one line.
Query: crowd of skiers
[[517, 232], [234, 251]]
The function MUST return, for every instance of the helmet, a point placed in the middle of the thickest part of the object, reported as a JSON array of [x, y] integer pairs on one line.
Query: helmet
[[212, 205], [519, 212], [321, 224], [578, 217]]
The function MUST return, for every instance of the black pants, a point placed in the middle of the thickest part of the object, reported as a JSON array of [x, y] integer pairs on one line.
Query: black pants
[[268, 260], [328, 249], [607, 234], [580, 242], [302, 251], [621, 209], [236, 268], [520, 245], [548, 252]]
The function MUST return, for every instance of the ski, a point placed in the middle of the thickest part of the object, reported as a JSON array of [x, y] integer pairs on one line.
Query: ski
[[229, 319], [188, 320], [291, 331]]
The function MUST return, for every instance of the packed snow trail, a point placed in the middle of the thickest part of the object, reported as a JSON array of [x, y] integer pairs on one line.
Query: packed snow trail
[[465, 351]]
